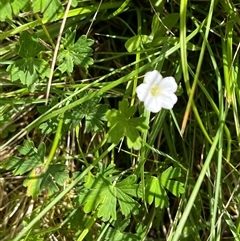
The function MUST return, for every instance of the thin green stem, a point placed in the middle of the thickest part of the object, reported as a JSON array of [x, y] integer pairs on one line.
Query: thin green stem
[[204, 44], [197, 186], [56, 141]]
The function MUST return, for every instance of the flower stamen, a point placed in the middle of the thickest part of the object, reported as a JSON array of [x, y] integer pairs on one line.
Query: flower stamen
[[156, 90]]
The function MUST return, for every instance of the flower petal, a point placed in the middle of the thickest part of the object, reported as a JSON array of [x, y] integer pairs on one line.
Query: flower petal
[[168, 84], [152, 77], [142, 91], [153, 104], [168, 100], [157, 92]]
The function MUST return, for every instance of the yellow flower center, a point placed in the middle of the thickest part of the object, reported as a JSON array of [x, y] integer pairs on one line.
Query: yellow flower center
[[155, 90]]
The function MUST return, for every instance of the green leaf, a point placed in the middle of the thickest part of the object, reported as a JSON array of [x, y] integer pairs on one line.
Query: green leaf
[[58, 173], [55, 174], [155, 24], [96, 195], [45, 178], [69, 39], [127, 203], [50, 126], [33, 181], [29, 45], [101, 194], [50, 9], [170, 173], [121, 223], [32, 157], [174, 186], [136, 41], [117, 235], [121, 125], [20, 5], [155, 187], [95, 118], [6, 125], [40, 177], [164, 25], [10, 7], [155, 192], [91, 111], [42, 68], [5, 10], [29, 69], [83, 45], [74, 3], [78, 53], [129, 186], [173, 40], [28, 148], [20, 69], [108, 171], [110, 204], [67, 61]]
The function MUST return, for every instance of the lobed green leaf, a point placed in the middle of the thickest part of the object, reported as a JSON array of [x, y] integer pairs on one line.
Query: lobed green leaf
[[121, 125]]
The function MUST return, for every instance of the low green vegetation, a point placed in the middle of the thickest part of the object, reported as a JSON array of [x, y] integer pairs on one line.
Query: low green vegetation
[[82, 158]]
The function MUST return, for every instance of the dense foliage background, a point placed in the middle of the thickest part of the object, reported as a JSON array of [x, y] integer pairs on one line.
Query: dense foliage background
[[81, 159]]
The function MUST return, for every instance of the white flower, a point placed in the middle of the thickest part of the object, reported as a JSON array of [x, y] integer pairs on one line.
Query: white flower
[[157, 92]]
